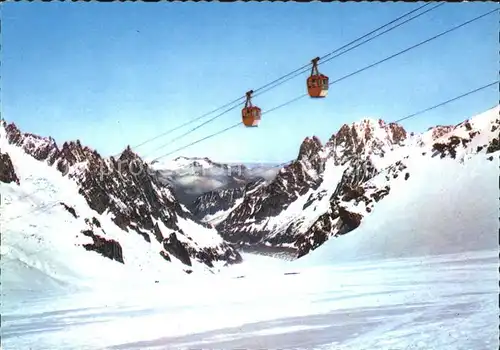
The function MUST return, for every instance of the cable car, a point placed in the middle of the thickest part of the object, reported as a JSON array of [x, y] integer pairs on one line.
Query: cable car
[[317, 83], [250, 114]]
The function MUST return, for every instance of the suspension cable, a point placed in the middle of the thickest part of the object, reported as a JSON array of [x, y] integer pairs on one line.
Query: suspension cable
[[277, 82], [301, 71], [48, 206], [396, 121], [342, 78], [358, 45]]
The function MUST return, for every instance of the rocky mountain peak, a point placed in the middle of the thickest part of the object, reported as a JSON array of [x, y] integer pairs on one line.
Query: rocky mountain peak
[[72, 153], [364, 138], [310, 154], [38, 147], [123, 187], [398, 133], [303, 211], [309, 147], [128, 154]]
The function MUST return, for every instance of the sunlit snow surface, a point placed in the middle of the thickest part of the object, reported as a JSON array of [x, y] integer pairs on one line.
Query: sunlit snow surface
[[440, 302], [421, 272], [358, 291]]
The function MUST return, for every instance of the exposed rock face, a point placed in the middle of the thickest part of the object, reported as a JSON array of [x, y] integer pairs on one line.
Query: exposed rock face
[[449, 148], [70, 209], [493, 146], [365, 139], [110, 249], [440, 130], [351, 147], [465, 138], [124, 187], [310, 155], [328, 190], [214, 201], [352, 189], [220, 202], [7, 172], [177, 249], [258, 205]]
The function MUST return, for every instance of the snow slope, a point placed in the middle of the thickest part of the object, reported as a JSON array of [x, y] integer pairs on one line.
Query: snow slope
[[46, 224], [444, 207], [331, 189], [420, 272], [446, 302]]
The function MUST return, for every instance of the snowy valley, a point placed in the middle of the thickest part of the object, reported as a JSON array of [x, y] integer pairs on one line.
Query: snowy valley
[[68, 213], [396, 236], [329, 189]]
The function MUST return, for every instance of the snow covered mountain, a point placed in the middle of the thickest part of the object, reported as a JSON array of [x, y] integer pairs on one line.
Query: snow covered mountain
[[207, 187], [420, 271], [329, 189], [214, 206], [67, 211]]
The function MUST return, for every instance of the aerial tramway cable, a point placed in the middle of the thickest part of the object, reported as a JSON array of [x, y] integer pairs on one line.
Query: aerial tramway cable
[[343, 78], [447, 101], [396, 121], [338, 54], [49, 205], [290, 75], [52, 204], [305, 68], [287, 77]]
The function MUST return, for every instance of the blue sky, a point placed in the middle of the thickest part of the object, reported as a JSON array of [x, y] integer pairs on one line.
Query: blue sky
[[120, 73]]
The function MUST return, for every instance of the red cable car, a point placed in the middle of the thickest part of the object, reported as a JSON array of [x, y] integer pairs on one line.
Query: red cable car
[[250, 114], [317, 83]]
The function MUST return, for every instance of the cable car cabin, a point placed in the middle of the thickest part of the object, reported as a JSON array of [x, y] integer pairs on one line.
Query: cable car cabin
[[250, 114], [317, 86], [317, 83]]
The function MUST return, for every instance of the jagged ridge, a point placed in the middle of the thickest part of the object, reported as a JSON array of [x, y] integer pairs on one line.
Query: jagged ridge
[[126, 188], [328, 189]]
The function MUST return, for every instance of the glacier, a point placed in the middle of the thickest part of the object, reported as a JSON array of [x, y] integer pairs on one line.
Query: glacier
[[420, 272]]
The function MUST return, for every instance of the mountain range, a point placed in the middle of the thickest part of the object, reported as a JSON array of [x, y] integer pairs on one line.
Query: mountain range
[[329, 188], [70, 212], [66, 208], [192, 177]]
